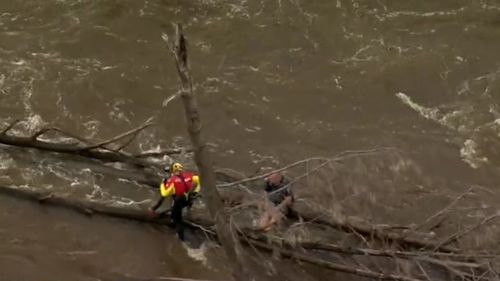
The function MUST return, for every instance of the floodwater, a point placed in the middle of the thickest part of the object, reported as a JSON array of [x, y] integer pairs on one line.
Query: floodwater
[[277, 81]]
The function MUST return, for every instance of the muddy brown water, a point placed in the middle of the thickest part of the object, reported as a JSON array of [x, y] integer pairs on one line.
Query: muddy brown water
[[277, 81]]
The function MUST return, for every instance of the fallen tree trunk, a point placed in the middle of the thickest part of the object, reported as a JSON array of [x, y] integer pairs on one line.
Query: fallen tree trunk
[[99, 154], [87, 148], [331, 265], [248, 236], [85, 207]]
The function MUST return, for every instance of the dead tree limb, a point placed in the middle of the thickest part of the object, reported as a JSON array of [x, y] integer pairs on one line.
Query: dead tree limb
[[334, 266], [453, 266], [341, 156], [81, 148], [369, 231], [445, 209], [164, 152], [458, 235], [42, 131], [119, 137], [10, 126], [202, 157]]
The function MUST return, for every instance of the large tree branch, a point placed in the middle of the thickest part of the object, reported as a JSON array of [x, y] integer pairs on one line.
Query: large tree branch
[[119, 137], [202, 157], [81, 147]]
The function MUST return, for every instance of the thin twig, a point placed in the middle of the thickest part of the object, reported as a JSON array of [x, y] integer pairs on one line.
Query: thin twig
[[42, 131], [10, 126], [334, 266], [129, 141], [341, 156], [176, 279], [423, 271], [204, 229], [462, 233], [164, 152], [134, 132], [442, 211]]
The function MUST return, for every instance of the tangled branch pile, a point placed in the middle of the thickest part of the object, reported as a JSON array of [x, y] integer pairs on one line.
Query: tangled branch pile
[[440, 246]]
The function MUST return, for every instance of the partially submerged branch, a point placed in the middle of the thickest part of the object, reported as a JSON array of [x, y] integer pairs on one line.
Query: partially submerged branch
[[81, 147], [454, 237], [445, 209], [133, 133], [333, 266], [369, 231]]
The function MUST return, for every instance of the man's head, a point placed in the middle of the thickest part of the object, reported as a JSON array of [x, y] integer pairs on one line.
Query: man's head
[[275, 179]]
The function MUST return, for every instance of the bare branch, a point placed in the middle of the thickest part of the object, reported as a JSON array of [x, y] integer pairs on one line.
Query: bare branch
[[10, 126], [423, 271], [445, 209], [334, 266], [45, 130], [458, 235], [125, 144], [133, 132], [368, 230], [176, 279], [341, 156], [164, 152]]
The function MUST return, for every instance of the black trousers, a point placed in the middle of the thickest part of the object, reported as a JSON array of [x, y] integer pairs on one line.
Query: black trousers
[[180, 202]]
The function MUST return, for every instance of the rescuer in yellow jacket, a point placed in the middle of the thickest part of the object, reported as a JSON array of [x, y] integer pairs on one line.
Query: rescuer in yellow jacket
[[184, 188]]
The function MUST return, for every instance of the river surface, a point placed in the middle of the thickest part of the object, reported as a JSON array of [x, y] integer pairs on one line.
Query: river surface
[[277, 81]]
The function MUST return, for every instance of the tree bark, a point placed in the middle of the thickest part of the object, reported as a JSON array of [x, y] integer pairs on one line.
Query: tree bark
[[202, 157]]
